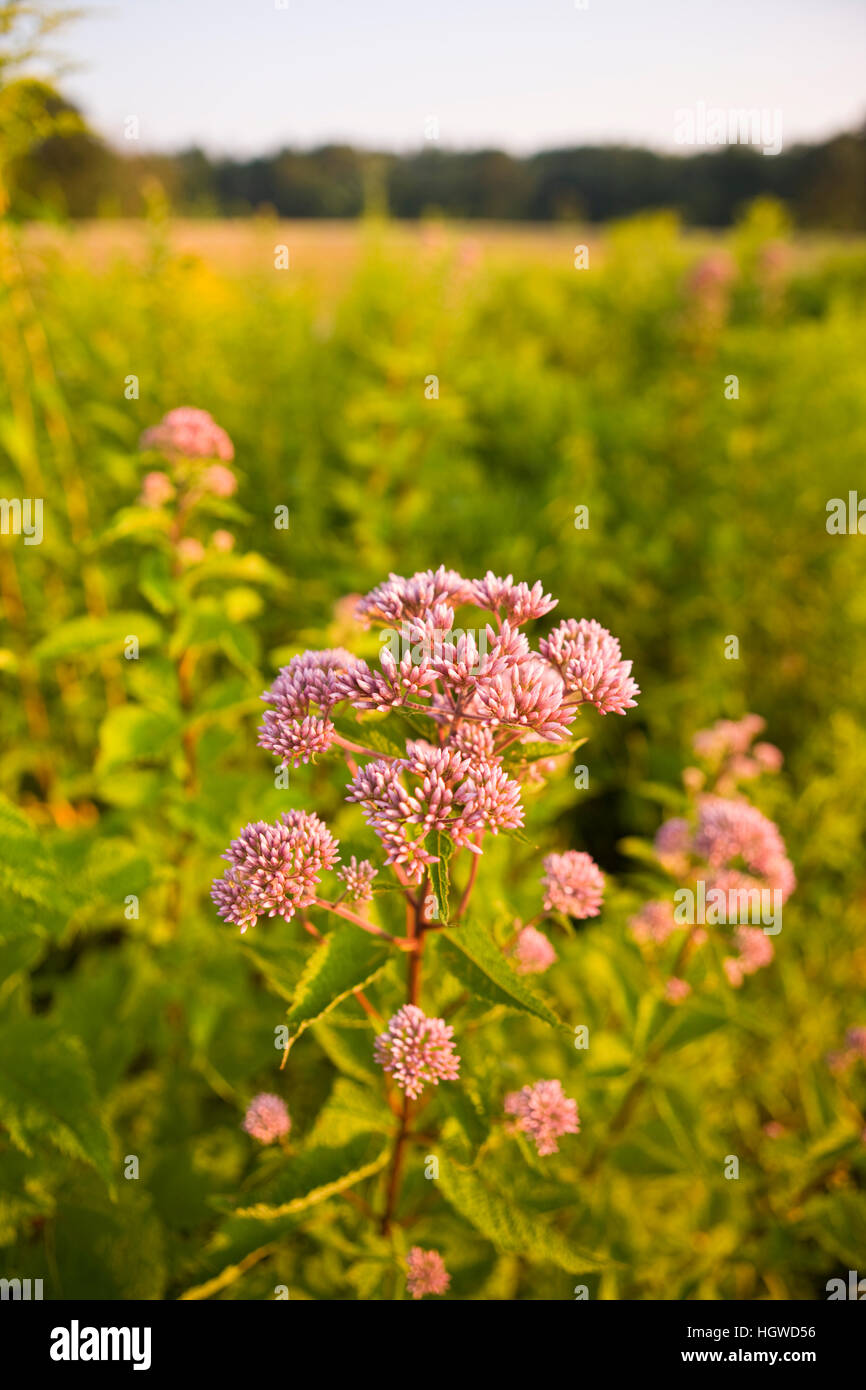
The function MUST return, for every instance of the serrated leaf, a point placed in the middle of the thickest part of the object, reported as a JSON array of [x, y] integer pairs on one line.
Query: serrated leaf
[[313, 1176], [439, 844], [129, 732], [476, 961], [47, 1094], [535, 752], [97, 636], [508, 1227], [347, 960], [350, 1110], [371, 735], [282, 966]]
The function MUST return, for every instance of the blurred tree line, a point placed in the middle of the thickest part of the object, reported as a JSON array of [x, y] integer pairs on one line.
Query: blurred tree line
[[71, 171]]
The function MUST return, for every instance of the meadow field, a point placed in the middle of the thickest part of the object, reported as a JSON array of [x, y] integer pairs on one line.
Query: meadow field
[[655, 434]]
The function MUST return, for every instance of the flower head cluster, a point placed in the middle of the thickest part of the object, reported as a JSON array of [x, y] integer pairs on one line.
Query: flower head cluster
[[573, 883], [303, 695], [267, 1118], [435, 787], [532, 953], [590, 662], [735, 836], [543, 1112], [737, 846], [358, 879], [188, 433], [274, 869], [426, 1272], [755, 951], [417, 1051], [476, 694]]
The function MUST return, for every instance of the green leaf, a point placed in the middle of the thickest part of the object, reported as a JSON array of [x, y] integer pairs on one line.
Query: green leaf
[[47, 1094], [346, 960], [129, 732], [370, 735], [97, 636], [476, 961], [534, 752], [508, 1227], [313, 1176], [155, 582], [281, 966], [442, 846], [350, 1110]]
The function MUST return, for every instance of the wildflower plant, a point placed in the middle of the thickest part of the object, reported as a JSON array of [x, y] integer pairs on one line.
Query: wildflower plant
[[440, 743]]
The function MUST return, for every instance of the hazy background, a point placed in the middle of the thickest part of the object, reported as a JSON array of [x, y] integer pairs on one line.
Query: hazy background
[[243, 76]]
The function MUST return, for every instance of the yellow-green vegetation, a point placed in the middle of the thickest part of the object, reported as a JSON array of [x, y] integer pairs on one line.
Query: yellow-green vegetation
[[136, 1025]]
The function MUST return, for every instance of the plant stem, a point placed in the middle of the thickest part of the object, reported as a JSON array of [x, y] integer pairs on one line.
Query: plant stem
[[405, 943], [415, 929]]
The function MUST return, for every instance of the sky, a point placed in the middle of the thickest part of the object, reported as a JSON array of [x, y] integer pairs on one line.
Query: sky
[[248, 76]]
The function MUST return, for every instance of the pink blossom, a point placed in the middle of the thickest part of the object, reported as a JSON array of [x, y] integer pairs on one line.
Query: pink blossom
[[529, 694], [655, 922], [188, 433], [734, 830], [274, 869], [400, 598], [676, 990], [673, 844], [590, 661], [519, 601], [768, 756], [190, 551], [573, 883], [267, 1118], [219, 481], [532, 952], [426, 1272], [712, 275], [156, 489], [755, 951], [358, 879], [417, 1051], [223, 541], [543, 1112], [303, 695]]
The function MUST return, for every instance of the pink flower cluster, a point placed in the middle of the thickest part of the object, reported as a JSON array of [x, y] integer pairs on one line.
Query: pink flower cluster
[[740, 847], [480, 697], [358, 879], [573, 883], [426, 1272], [755, 951], [417, 1051], [590, 662], [532, 953], [188, 433], [267, 1118], [274, 869], [303, 695], [544, 1113], [433, 788]]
